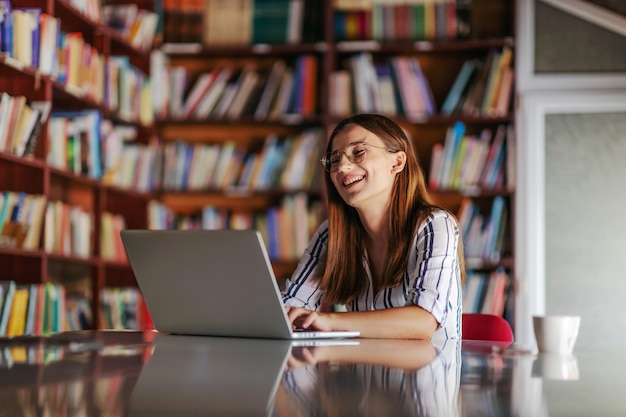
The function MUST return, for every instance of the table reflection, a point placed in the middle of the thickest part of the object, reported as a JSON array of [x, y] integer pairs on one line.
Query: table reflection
[[73, 374], [375, 378], [149, 374]]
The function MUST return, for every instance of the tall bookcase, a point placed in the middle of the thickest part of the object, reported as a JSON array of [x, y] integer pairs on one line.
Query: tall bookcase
[[344, 56], [89, 76]]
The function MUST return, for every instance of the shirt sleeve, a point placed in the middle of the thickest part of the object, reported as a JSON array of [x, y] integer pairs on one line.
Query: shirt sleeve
[[302, 288], [435, 265]]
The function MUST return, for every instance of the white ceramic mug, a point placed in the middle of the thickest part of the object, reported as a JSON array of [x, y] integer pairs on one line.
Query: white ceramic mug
[[556, 334]]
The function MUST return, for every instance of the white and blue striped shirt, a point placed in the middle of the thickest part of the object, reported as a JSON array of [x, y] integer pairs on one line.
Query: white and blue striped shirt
[[432, 280]]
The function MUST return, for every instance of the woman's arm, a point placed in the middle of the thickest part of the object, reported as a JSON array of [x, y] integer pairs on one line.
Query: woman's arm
[[410, 322]]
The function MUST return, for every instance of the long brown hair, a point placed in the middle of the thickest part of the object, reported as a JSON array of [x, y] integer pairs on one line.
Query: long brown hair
[[344, 275]]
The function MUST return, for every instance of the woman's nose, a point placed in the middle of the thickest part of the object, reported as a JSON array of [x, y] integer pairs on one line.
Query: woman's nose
[[343, 162]]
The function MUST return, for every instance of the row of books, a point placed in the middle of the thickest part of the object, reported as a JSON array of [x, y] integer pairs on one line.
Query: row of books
[[21, 219], [486, 292], [393, 86], [20, 124], [68, 230], [483, 87], [31, 309], [466, 160], [83, 143], [123, 308], [276, 162], [126, 163], [385, 20], [111, 248], [232, 22], [137, 26], [92, 9], [483, 233], [75, 142], [47, 308], [33, 39], [285, 228], [226, 92]]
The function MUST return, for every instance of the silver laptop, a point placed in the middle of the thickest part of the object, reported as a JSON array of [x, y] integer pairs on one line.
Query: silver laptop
[[211, 283]]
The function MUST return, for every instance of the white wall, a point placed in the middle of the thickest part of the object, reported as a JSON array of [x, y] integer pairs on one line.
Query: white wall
[[571, 139]]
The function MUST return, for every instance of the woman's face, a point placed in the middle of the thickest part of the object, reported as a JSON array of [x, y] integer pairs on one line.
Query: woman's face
[[368, 183]]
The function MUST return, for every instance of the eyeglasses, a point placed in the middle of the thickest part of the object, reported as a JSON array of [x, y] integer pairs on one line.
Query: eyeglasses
[[355, 153]]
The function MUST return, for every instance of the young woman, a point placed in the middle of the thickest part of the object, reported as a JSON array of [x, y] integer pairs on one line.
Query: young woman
[[386, 252]]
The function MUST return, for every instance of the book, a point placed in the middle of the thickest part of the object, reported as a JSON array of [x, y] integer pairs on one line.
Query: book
[[228, 22], [209, 102], [247, 83], [271, 88], [42, 109], [19, 308], [6, 302], [270, 21], [34, 33], [459, 87], [197, 93], [6, 27]]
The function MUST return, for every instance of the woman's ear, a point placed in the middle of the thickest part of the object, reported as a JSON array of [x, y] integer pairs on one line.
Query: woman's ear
[[399, 162]]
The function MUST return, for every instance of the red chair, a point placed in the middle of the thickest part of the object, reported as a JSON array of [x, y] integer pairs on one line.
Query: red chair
[[486, 327]]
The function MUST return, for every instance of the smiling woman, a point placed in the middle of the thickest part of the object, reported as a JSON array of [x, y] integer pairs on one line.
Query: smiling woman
[[386, 252]]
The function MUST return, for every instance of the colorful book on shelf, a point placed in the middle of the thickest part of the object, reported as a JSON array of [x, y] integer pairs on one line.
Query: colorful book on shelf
[[270, 90], [19, 308], [14, 111], [454, 136], [504, 62], [31, 311], [280, 107], [6, 299], [13, 230], [228, 22], [27, 147], [502, 102], [197, 92], [247, 83], [308, 99], [474, 292], [495, 158], [270, 20], [495, 293], [295, 21], [208, 104], [6, 27], [459, 86], [6, 102], [6, 208]]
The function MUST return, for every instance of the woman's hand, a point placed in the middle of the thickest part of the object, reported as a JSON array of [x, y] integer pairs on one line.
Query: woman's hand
[[306, 356], [301, 318]]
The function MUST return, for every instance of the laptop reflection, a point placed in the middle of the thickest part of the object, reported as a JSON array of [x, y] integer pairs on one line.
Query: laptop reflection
[[209, 376]]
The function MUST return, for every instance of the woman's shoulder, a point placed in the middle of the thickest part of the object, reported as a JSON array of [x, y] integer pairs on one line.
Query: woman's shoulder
[[439, 218], [321, 234]]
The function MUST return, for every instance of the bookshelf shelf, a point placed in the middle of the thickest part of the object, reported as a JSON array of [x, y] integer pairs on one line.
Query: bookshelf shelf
[[189, 202], [197, 50]]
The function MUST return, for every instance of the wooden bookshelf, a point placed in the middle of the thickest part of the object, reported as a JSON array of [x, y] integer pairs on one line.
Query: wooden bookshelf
[[319, 52], [78, 265]]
